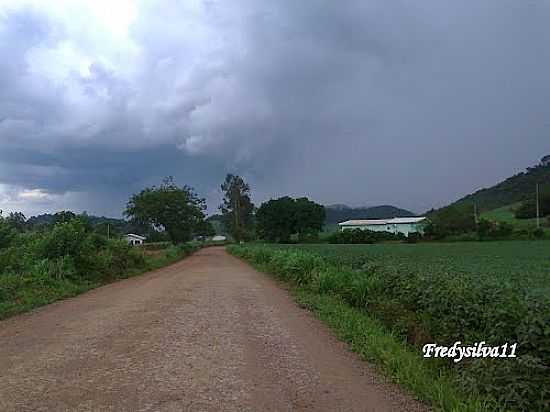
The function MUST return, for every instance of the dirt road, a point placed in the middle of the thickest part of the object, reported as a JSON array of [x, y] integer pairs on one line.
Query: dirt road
[[206, 334]]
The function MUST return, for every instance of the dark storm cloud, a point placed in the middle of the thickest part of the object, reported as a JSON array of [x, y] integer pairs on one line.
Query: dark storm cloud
[[361, 102]]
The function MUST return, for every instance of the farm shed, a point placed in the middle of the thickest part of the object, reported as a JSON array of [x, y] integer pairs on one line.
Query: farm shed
[[404, 225], [134, 240]]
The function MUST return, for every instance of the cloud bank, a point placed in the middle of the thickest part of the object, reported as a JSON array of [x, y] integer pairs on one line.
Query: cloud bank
[[361, 103]]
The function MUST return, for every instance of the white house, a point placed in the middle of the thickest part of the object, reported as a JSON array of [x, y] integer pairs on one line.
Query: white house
[[134, 240], [404, 225], [219, 238]]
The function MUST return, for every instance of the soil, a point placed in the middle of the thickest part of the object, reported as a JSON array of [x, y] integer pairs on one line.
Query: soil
[[208, 333]]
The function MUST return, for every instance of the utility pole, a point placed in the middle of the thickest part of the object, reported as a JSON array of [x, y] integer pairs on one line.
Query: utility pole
[[475, 214], [108, 231], [538, 208]]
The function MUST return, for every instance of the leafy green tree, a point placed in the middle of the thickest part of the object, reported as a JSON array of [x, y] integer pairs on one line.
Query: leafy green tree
[[178, 210], [528, 208], [237, 208], [275, 219], [484, 229], [7, 232], [451, 220], [309, 218], [17, 220], [206, 229], [64, 216], [279, 219]]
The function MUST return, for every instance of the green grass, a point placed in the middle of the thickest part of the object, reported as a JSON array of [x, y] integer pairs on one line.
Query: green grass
[[374, 342], [522, 264], [23, 292], [506, 214], [434, 292]]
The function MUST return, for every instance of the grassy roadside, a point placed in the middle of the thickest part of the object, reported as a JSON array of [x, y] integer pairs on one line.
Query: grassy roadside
[[21, 293], [396, 360], [401, 363]]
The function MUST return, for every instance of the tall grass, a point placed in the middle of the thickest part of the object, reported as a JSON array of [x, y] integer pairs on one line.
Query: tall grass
[[421, 307], [41, 267]]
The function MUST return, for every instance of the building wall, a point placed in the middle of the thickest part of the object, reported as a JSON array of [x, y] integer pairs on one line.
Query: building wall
[[133, 241], [404, 228]]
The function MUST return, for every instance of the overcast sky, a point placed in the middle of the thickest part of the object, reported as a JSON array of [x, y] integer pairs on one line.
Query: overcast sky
[[412, 103]]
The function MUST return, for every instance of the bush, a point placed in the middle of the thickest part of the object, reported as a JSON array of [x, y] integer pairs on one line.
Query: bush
[[438, 307], [61, 260], [7, 233], [538, 233], [359, 236], [494, 230]]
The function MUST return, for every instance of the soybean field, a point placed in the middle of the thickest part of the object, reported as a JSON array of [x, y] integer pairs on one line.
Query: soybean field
[[522, 264]]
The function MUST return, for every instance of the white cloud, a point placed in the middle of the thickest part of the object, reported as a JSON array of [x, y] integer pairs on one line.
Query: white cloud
[[34, 194], [36, 201], [108, 94]]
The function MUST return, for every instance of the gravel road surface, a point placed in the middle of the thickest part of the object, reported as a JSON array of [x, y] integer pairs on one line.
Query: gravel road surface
[[208, 333]]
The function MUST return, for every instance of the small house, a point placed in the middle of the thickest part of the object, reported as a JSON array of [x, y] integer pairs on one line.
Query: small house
[[404, 225], [134, 240], [219, 238]]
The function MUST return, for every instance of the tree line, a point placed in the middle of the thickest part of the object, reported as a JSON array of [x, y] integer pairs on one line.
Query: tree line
[[180, 212]]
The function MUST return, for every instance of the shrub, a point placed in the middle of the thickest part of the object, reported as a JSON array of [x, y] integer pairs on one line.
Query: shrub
[[538, 233], [359, 236], [60, 260], [438, 306]]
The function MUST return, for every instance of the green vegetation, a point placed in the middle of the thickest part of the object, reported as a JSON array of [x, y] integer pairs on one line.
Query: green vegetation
[[515, 189], [507, 214], [38, 268], [361, 236], [279, 219], [458, 222], [177, 210], [375, 342], [340, 213], [237, 208], [65, 254], [496, 292], [102, 225]]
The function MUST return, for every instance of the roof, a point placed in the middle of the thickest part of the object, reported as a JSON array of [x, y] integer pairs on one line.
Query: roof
[[135, 236], [394, 221]]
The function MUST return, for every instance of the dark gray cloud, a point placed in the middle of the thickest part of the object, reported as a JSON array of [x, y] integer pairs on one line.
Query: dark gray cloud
[[362, 103]]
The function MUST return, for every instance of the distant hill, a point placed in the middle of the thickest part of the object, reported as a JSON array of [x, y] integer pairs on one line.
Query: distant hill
[[510, 191], [217, 222], [120, 226], [340, 213]]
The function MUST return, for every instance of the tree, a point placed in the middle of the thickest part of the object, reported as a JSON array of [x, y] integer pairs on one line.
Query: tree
[[7, 232], [237, 208], [64, 216], [309, 218], [17, 220], [279, 219], [451, 220], [177, 210], [206, 229], [528, 208], [275, 219]]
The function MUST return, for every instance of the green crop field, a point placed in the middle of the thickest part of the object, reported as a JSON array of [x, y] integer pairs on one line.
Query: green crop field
[[496, 292], [523, 264], [506, 214]]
